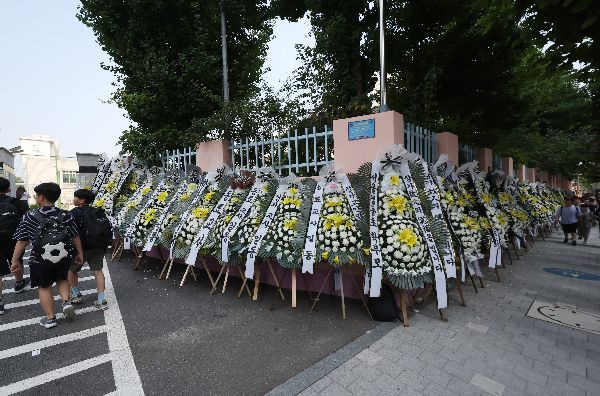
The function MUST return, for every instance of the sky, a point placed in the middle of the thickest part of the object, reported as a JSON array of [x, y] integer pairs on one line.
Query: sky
[[51, 82]]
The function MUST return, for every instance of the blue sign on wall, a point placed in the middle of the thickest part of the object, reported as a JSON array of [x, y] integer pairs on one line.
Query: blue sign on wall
[[364, 129], [569, 273]]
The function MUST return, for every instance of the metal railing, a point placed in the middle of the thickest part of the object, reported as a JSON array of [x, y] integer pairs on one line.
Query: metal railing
[[466, 153], [496, 162], [421, 141], [178, 159], [301, 152]]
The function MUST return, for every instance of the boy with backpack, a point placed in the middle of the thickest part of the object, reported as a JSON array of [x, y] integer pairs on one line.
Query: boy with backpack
[[55, 241], [11, 213], [568, 215], [95, 231]]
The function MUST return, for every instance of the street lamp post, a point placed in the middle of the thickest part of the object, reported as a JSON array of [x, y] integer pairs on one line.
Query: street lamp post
[[382, 76], [224, 54]]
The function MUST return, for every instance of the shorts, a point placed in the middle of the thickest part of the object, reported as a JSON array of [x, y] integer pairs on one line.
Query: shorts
[[49, 273], [6, 252], [569, 228], [93, 257]]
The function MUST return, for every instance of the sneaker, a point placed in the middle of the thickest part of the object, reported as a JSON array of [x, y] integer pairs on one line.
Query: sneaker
[[102, 306], [1, 308], [48, 323], [21, 287], [574, 243], [69, 310], [76, 299]]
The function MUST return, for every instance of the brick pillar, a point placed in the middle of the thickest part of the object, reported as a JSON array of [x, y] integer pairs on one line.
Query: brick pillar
[[530, 175], [484, 156], [521, 172], [353, 151], [507, 166], [209, 155], [447, 143]]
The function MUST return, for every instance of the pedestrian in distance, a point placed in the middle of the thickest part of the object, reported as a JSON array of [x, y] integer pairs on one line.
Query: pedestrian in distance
[[55, 241], [586, 222], [11, 213], [95, 232], [22, 195], [568, 215]]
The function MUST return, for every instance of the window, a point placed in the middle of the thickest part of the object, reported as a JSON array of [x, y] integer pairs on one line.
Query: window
[[69, 177]]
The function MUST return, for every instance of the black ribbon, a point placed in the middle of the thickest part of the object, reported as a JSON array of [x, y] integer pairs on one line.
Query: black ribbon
[[329, 178], [389, 161], [264, 176], [220, 173]]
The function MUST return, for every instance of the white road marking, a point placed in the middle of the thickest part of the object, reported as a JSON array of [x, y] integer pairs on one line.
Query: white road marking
[[37, 301], [84, 279], [33, 321], [8, 353], [54, 375], [36, 352], [127, 378]]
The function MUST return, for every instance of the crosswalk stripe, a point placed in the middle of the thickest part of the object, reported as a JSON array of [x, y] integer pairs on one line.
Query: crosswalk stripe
[[84, 279], [54, 375], [37, 301], [36, 320], [9, 278], [34, 346]]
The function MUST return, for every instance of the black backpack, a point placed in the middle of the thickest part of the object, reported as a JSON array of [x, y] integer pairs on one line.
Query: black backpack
[[53, 244], [96, 229], [383, 308], [9, 218]]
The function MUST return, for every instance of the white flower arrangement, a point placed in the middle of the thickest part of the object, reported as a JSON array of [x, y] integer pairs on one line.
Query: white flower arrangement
[[466, 228]]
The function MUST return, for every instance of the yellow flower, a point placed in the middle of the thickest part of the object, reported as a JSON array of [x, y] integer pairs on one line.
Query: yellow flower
[[87, 187], [325, 255], [208, 196], [467, 197], [471, 223], [485, 223], [292, 201], [162, 196], [292, 190], [367, 251], [200, 213], [290, 224], [502, 220], [132, 205], [336, 260], [398, 203], [504, 197], [336, 220], [449, 197], [184, 197], [149, 216], [133, 186], [408, 237], [192, 187], [228, 218], [99, 203], [395, 180], [333, 202], [110, 186], [146, 190], [485, 198], [462, 201], [235, 200]]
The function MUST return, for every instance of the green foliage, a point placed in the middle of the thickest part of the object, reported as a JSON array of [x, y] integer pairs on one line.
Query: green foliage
[[167, 59]]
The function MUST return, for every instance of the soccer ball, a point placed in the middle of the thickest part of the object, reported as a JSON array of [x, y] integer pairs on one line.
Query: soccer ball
[[54, 252]]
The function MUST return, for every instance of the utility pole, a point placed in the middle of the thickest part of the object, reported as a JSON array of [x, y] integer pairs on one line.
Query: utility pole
[[382, 76], [224, 54]]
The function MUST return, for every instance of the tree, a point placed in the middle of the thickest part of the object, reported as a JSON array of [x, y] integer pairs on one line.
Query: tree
[[166, 55]]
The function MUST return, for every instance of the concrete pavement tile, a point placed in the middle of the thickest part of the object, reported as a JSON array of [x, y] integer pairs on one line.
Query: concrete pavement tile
[[591, 387], [506, 376], [436, 375], [477, 327], [342, 377], [335, 390], [518, 359], [363, 387], [593, 373], [390, 385], [308, 392], [366, 371], [349, 364], [536, 354], [561, 388], [543, 340], [487, 384], [570, 365], [531, 375], [434, 389], [463, 388], [321, 384], [369, 357], [461, 371], [535, 390], [550, 370], [554, 352], [433, 359]]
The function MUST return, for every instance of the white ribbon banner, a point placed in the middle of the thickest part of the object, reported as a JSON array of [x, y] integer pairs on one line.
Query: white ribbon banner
[[263, 228], [208, 226], [237, 219], [440, 277], [495, 249], [103, 166], [131, 230], [433, 195], [310, 245], [376, 275]]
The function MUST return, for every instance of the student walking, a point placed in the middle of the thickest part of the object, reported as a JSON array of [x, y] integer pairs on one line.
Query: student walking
[[568, 214], [11, 213], [96, 234], [586, 222], [55, 241]]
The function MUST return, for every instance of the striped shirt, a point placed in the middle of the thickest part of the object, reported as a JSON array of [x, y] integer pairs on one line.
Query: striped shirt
[[28, 227]]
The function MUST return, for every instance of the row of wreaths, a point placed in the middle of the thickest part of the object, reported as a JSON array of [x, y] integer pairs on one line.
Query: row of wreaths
[[402, 219]]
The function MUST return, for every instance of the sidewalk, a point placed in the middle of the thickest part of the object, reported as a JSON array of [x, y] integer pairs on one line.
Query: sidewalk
[[488, 347]]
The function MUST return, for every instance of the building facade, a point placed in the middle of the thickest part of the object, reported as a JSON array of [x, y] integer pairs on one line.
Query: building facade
[[38, 160], [7, 168]]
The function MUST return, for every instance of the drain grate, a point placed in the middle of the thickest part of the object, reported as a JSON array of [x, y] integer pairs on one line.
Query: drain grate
[[565, 315]]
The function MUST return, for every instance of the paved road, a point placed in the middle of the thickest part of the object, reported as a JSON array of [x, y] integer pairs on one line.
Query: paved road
[[163, 339], [489, 347]]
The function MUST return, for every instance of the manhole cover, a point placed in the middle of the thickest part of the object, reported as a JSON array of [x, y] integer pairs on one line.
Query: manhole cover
[[569, 273], [565, 316]]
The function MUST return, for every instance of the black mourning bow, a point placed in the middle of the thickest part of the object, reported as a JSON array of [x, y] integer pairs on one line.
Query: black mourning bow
[[264, 176], [389, 161], [220, 173], [329, 178]]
